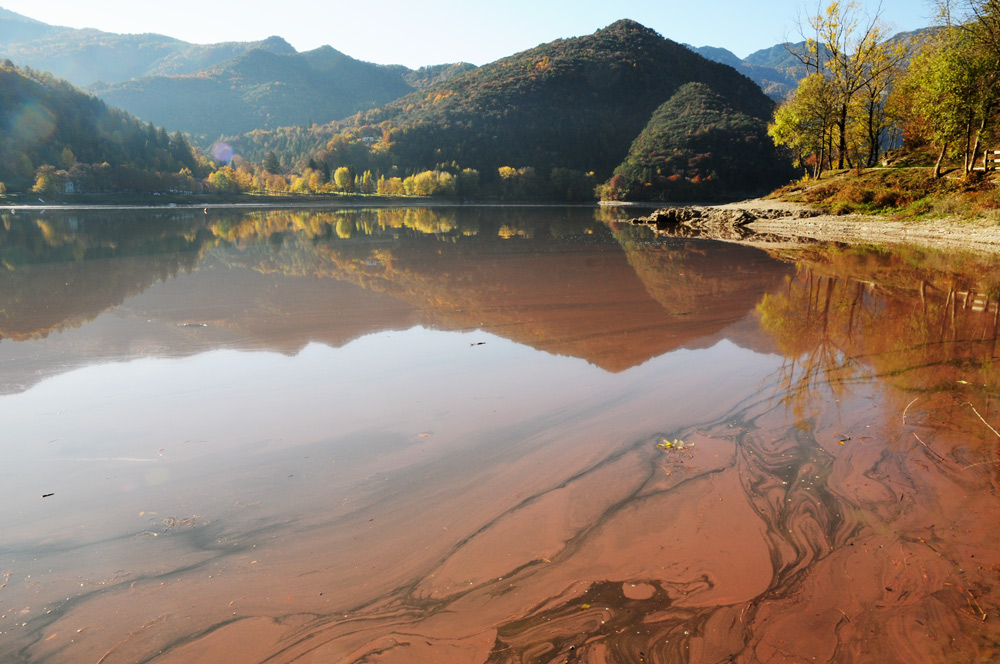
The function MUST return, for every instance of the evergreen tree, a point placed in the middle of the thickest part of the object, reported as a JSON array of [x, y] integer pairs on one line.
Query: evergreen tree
[[271, 163]]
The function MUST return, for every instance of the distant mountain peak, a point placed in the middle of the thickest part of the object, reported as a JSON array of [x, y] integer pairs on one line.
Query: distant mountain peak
[[327, 58], [717, 54], [627, 29], [276, 44], [626, 24], [326, 51]]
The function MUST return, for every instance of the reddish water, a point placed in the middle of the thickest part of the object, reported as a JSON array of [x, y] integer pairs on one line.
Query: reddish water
[[528, 437]]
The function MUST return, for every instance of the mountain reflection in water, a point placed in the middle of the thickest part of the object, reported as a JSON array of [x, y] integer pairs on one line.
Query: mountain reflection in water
[[489, 435]]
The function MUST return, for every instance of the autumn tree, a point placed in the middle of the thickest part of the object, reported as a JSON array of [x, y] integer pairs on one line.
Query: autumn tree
[[343, 179], [874, 120], [390, 186], [367, 185], [430, 183], [805, 122], [612, 190], [958, 81], [48, 181], [851, 51], [951, 86], [224, 181]]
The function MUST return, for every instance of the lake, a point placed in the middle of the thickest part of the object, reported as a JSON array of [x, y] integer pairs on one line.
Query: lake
[[489, 434]]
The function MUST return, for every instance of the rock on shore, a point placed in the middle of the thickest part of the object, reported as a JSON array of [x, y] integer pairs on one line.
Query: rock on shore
[[695, 216], [724, 222]]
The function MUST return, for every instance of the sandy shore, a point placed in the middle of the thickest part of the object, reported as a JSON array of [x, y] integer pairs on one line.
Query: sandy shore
[[969, 234]]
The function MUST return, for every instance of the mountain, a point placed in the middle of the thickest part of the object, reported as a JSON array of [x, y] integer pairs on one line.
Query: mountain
[[85, 57], [208, 90], [570, 105], [777, 69], [45, 121], [573, 103], [776, 80], [259, 89], [697, 146], [779, 56]]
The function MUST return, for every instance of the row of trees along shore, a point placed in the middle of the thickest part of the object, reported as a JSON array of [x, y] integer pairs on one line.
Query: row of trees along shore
[[445, 180], [864, 94], [317, 178]]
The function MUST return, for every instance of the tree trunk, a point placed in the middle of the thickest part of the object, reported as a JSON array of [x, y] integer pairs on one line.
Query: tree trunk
[[975, 145], [968, 157], [829, 150], [873, 146], [842, 126], [821, 155], [940, 160]]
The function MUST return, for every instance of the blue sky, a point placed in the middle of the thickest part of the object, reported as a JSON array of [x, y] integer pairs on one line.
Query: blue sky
[[425, 32]]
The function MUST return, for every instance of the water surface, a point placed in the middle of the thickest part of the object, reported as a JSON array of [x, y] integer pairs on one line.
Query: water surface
[[489, 435]]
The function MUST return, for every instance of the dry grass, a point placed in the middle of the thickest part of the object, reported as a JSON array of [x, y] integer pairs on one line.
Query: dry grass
[[909, 192]]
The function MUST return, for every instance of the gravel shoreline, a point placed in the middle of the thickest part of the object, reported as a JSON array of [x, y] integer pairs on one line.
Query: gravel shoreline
[[802, 224]]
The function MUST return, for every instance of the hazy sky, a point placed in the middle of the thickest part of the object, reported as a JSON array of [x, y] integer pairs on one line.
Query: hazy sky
[[426, 32]]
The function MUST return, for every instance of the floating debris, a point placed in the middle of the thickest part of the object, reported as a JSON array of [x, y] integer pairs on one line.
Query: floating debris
[[675, 444]]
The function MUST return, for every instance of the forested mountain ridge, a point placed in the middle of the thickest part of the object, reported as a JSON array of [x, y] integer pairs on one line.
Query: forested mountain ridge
[[572, 103], [526, 120], [52, 133], [259, 89]]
